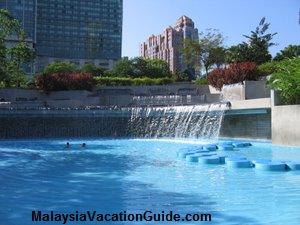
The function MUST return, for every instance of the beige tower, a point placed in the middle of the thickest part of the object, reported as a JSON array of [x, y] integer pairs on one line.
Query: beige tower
[[168, 45]]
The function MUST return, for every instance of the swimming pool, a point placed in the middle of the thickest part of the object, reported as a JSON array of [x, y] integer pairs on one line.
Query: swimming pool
[[137, 175]]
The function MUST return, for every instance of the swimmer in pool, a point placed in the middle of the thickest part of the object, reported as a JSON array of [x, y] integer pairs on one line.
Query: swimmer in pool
[[68, 145], [83, 145]]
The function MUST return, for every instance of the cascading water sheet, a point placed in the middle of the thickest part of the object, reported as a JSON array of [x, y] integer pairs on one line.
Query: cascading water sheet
[[197, 121]]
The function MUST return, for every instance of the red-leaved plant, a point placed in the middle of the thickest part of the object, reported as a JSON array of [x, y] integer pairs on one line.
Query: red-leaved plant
[[234, 73], [64, 81]]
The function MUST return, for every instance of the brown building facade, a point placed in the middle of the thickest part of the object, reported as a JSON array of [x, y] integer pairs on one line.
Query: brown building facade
[[168, 45]]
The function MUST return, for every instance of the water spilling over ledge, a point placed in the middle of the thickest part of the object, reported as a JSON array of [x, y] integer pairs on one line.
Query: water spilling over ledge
[[197, 121]]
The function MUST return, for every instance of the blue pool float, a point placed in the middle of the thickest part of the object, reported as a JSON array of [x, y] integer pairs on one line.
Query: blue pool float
[[233, 158], [210, 147], [209, 160], [201, 151], [239, 163], [182, 155], [225, 142], [192, 158], [225, 147], [293, 165], [269, 165], [241, 144], [222, 158], [207, 154]]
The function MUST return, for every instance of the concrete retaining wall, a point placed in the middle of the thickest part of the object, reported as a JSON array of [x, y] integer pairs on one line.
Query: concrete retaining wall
[[186, 93], [112, 123], [253, 124], [286, 125], [246, 90]]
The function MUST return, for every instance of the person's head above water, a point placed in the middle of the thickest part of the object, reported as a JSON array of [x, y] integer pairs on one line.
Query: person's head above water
[[67, 144], [83, 145]]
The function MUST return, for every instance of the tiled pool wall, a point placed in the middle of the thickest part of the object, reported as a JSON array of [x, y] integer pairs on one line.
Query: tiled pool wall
[[111, 123]]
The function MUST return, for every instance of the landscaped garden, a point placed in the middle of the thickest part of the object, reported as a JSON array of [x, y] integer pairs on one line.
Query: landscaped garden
[[208, 62]]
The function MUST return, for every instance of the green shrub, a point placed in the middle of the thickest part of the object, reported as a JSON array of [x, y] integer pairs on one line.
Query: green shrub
[[201, 81], [286, 79], [268, 68], [92, 69], [60, 67], [123, 81]]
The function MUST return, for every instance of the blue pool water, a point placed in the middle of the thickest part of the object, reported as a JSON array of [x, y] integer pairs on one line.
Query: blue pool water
[[136, 175]]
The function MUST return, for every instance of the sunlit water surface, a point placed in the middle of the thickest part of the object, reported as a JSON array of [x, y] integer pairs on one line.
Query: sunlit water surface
[[137, 175]]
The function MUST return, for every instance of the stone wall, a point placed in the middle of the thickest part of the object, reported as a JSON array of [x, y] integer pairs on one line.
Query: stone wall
[[286, 125]]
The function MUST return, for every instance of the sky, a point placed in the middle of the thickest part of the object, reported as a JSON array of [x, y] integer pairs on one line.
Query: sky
[[233, 18]]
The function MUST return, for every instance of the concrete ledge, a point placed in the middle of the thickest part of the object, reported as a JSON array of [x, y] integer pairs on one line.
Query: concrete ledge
[[251, 104]]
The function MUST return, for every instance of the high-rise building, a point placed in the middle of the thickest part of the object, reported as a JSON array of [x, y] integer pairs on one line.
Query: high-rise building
[[79, 31], [168, 45]]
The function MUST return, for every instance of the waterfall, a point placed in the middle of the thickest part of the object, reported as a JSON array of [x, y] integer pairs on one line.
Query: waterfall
[[197, 121]]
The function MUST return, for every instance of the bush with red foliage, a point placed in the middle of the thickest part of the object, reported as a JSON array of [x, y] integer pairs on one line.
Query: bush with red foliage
[[234, 73], [64, 81]]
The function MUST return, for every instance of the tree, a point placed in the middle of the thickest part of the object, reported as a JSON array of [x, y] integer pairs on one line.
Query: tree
[[157, 68], [14, 58], [238, 53], [288, 52], [207, 51], [139, 67], [286, 79], [92, 69], [256, 48], [60, 67], [123, 68]]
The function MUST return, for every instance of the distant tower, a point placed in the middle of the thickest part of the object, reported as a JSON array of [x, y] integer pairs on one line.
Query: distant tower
[[168, 45]]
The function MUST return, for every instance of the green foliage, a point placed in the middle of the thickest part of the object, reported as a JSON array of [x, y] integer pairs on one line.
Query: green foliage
[[288, 52], [191, 52], [256, 49], [213, 52], [206, 52], [123, 68], [8, 24], [267, 68], [124, 81], [14, 58], [201, 81], [238, 53], [92, 69], [286, 79], [182, 76], [60, 67], [139, 67]]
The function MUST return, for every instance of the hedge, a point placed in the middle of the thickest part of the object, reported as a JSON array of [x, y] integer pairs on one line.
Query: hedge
[[64, 81], [122, 81], [234, 73]]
